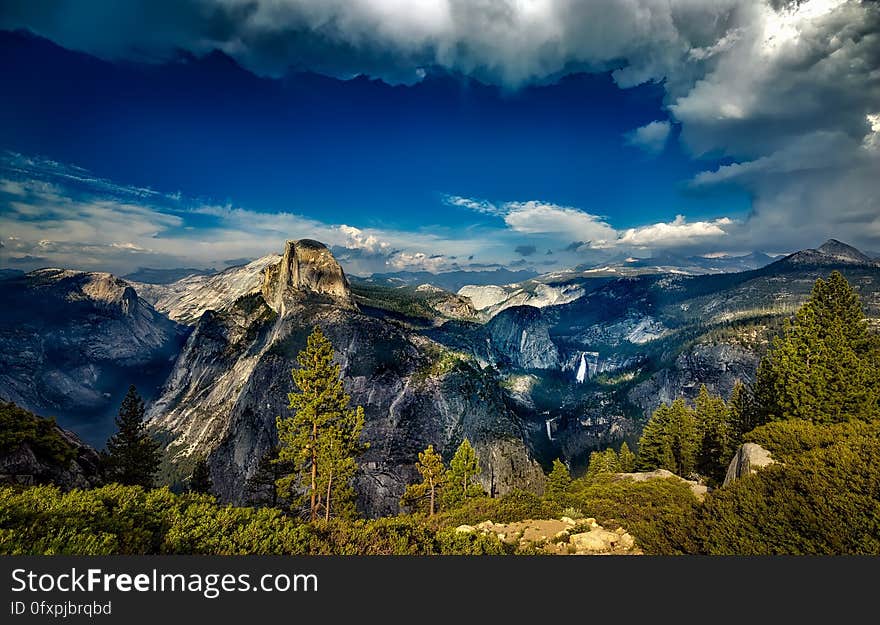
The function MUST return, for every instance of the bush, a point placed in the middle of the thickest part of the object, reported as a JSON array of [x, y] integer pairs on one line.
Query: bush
[[118, 519], [514, 506], [822, 501], [18, 426], [656, 512]]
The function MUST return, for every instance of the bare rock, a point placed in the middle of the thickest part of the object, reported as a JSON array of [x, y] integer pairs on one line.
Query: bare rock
[[748, 459]]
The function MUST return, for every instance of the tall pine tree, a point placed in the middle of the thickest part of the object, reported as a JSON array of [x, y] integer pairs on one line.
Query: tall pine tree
[[430, 467], [670, 440], [626, 461], [716, 439], [460, 479], [320, 440], [822, 367], [133, 456], [558, 481], [743, 413]]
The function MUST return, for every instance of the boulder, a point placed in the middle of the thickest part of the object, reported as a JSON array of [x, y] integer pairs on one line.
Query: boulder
[[748, 459], [597, 540], [465, 529]]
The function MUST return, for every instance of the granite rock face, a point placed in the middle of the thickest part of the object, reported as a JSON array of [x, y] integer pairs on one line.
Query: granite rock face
[[307, 267], [520, 337], [748, 459]]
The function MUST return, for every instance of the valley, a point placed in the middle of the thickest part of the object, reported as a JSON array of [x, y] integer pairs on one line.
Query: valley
[[557, 366]]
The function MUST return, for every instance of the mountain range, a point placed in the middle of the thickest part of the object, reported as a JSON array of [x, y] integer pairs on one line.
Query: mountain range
[[551, 366]]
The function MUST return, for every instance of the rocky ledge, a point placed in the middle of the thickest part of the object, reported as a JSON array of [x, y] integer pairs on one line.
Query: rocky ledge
[[563, 537]]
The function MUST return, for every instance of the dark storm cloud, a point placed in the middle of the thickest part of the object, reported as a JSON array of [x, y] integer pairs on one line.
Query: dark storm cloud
[[789, 90], [525, 250]]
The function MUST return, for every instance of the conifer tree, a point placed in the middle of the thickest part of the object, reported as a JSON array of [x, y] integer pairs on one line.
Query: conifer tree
[[742, 412], [716, 445], [655, 450], [463, 469], [603, 462], [262, 484], [200, 482], [320, 440], [683, 438], [626, 459], [670, 440], [430, 467], [558, 481], [822, 366], [133, 456]]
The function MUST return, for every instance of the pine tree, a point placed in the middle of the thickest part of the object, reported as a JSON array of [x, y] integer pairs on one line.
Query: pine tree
[[132, 457], [603, 462], [822, 366], [670, 440], [430, 467], [626, 459], [716, 444], [683, 438], [558, 481], [655, 450], [463, 469], [742, 412], [200, 482], [320, 440]]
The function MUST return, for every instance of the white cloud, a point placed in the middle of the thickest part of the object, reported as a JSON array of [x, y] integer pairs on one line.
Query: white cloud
[[678, 233], [479, 206], [541, 218], [651, 137]]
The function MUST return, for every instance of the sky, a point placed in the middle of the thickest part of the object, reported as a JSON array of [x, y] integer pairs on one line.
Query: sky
[[435, 134]]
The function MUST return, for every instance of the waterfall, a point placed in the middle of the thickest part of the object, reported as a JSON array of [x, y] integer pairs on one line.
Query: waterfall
[[582, 370]]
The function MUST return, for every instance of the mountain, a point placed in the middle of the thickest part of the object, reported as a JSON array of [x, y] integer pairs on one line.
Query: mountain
[[450, 280], [164, 276], [73, 342], [233, 375], [829, 254]]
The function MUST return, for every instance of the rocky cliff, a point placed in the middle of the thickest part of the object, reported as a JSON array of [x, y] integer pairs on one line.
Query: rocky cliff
[[520, 337], [73, 341], [233, 375]]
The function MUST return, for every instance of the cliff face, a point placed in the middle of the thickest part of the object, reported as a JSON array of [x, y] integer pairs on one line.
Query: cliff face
[[73, 339], [232, 378], [307, 267], [520, 337]]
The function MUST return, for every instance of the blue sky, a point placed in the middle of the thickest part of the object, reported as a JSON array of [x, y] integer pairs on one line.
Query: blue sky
[[553, 135]]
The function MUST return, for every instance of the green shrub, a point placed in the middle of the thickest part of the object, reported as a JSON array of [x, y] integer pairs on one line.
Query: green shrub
[[18, 426], [822, 501]]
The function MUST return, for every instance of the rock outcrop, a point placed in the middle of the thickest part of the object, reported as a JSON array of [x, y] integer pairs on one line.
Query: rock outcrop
[[64, 460], [306, 268], [564, 537], [73, 341], [748, 459]]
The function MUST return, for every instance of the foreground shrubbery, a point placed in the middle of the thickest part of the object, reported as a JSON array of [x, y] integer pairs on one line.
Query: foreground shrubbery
[[823, 497], [118, 519]]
